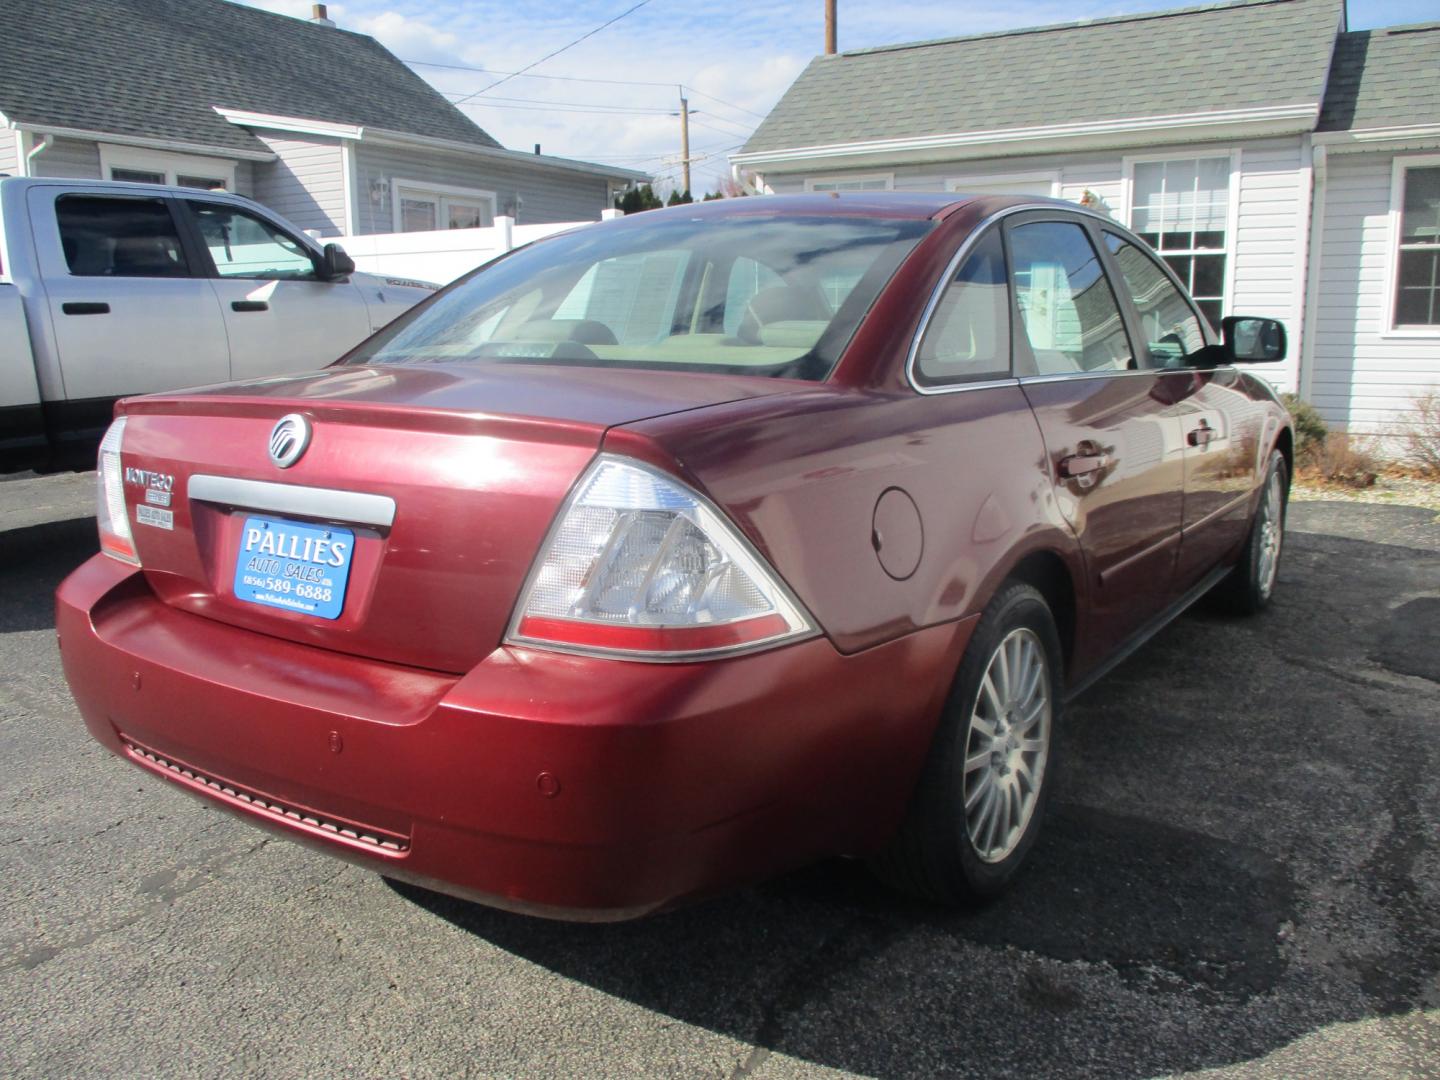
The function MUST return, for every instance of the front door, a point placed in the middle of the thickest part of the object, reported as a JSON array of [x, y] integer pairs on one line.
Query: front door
[[1111, 431], [1222, 425], [279, 316]]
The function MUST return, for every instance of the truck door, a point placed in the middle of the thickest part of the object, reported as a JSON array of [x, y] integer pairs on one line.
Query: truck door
[[128, 311], [280, 316]]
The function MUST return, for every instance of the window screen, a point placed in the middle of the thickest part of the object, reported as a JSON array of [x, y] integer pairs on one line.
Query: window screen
[[1417, 293], [1181, 208], [117, 237], [969, 332]]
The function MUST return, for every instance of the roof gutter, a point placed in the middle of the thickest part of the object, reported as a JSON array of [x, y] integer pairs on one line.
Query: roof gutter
[[1417, 136], [1230, 123], [387, 137], [147, 142]]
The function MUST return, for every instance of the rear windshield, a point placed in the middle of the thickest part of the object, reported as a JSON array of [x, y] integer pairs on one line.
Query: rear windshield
[[754, 295]]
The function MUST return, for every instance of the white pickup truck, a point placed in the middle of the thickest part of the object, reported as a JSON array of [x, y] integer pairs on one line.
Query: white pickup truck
[[112, 289]]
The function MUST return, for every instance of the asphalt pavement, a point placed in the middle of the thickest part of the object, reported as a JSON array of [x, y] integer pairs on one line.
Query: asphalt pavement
[[1241, 874]]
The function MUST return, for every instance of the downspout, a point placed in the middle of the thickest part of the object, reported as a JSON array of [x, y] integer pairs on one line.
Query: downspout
[[35, 151], [1312, 270]]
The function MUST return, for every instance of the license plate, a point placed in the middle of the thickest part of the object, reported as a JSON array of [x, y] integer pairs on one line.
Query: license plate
[[297, 567]]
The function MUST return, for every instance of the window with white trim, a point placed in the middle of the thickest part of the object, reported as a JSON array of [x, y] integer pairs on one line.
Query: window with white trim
[[1417, 272], [421, 207], [1181, 208], [137, 165], [877, 182]]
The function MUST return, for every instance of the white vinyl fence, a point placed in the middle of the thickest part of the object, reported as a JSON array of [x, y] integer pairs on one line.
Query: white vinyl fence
[[442, 256]]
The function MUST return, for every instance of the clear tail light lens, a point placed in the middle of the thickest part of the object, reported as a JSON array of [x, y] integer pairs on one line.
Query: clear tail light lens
[[640, 565], [115, 538]]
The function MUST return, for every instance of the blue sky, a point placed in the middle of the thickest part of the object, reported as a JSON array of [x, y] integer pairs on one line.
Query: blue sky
[[738, 56]]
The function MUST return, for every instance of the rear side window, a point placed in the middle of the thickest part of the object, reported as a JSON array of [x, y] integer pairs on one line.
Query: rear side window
[[114, 237], [1172, 330], [1072, 323], [969, 333]]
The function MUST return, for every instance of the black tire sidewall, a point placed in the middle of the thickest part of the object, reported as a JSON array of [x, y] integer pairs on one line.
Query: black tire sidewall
[[1256, 598], [1014, 607]]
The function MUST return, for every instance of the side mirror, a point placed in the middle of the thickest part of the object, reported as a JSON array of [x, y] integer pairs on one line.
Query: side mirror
[[334, 264], [1253, 340]]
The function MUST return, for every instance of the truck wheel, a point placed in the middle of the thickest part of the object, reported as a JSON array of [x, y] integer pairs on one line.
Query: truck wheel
[[982, 794]]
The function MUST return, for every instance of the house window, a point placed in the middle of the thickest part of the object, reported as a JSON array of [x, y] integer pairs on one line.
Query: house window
[[421, 207], [875, 182], [1417, 276], [1181, 208], [140, 166]]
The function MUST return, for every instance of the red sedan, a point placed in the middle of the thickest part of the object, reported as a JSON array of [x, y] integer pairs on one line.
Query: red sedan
[[673, 552]]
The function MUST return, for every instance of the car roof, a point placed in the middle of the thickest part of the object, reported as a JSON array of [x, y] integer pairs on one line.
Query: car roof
[[919, 205]]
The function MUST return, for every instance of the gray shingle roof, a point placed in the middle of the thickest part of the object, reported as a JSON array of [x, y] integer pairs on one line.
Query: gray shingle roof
[[154, 68], [1248, 54], [1384, 78]]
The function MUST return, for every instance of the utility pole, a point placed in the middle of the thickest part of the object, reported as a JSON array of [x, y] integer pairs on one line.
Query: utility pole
[[685, 137], [830, 27]]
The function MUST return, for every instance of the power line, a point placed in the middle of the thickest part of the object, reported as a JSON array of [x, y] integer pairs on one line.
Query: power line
[[720, 131], [603, 110], [727, 104], [562, 104], [514, 74], [550, 56]]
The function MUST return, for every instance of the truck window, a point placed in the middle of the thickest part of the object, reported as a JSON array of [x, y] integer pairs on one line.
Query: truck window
[[244, 246], [119, 237]]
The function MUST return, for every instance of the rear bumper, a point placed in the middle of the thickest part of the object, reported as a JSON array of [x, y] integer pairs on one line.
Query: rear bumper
[[560, 785]]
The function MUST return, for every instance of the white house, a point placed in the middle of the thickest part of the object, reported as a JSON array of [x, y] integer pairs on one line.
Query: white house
[[1281, 165], [323, 125]]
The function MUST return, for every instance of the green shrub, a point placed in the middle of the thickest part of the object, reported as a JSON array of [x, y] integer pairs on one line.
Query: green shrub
[[1310, 429]]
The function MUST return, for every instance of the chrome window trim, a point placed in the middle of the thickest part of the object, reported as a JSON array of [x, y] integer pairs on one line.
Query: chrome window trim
[[954, 265], [330, 504]]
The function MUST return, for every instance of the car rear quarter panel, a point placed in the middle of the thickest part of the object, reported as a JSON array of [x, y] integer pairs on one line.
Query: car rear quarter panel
[[802, 475]]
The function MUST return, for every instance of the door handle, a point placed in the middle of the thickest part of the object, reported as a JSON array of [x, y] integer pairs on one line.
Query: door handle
[[76, 307], [1088, 460], [249, 305], [1201, 435]]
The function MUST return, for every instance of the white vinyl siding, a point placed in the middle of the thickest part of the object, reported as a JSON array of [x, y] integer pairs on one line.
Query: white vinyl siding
[[306, 184], [1363, 378], [9, 156], [545, 194], [68, 159]]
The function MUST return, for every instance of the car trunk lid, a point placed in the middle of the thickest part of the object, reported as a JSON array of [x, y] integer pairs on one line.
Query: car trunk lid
[[438, 484]]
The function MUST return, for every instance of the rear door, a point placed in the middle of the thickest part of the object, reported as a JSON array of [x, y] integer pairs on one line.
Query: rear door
[[128, 311], [280, 318], [1111, 430]]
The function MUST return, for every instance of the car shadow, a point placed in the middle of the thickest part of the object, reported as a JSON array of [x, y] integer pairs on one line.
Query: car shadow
[[33, 562], [1195, 900]]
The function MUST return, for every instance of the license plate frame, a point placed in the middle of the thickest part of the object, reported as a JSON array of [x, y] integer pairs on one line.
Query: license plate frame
[[293, 565]]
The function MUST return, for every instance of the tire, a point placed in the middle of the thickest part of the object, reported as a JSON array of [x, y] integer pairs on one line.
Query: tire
[[943, 852], [1247, 589]]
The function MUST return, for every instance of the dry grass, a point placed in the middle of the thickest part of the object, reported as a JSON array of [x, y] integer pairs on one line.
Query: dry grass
[[1341, 459], [1420, 441]]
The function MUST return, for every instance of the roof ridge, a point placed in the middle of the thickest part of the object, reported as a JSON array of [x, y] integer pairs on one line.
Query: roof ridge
[[293, 20], [1078, 24]]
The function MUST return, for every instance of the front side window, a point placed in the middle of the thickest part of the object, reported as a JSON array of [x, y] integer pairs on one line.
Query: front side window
[[118, 237], [1180, 208], [1072, 323], [762, 295], [1172, 332], [1417, 279], [969, 332], [244, 246]]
